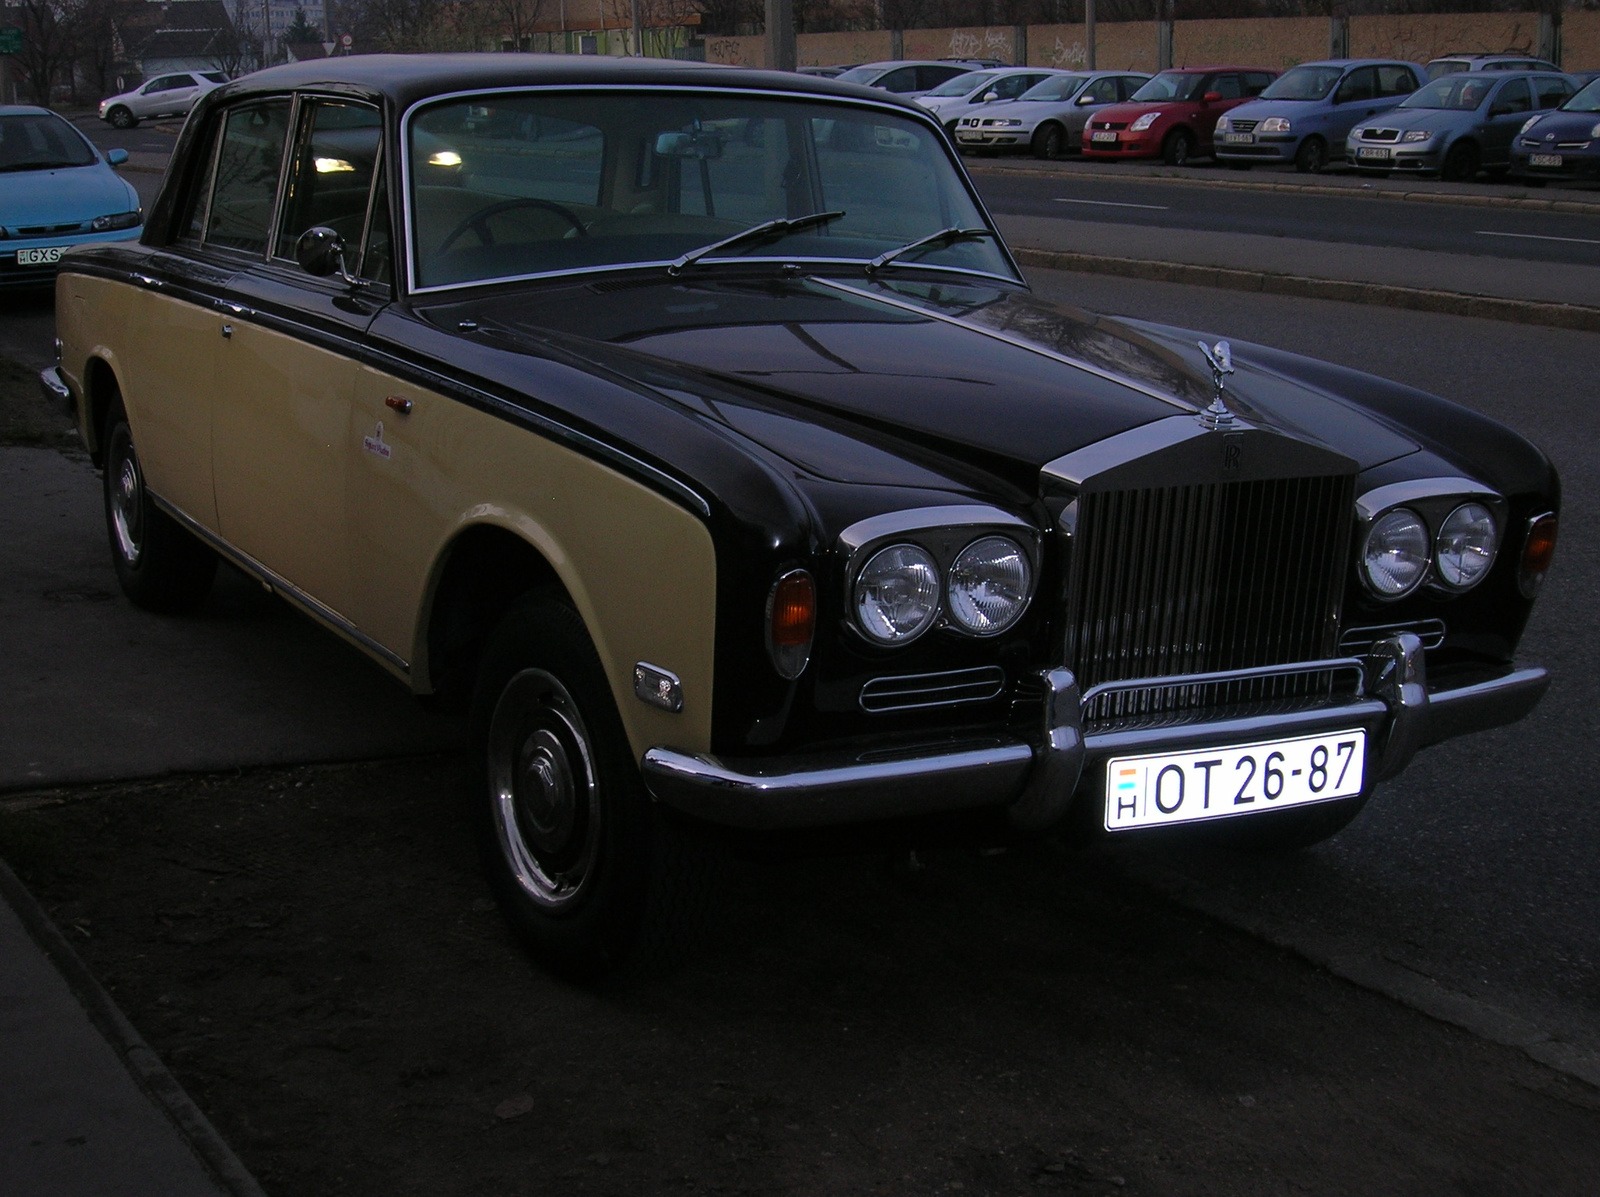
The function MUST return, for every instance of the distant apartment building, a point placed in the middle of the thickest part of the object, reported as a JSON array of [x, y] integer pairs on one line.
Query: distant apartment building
[[249, 15]]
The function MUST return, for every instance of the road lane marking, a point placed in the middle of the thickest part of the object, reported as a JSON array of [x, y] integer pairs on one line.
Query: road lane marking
[[1539, 237], [1114, 204]]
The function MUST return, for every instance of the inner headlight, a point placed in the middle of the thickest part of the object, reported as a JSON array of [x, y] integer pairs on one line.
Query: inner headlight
[[990, 583], [1466, 546], [122, 220], [1395, 555], [1275, 124], [897, 594], [1143, 123], [1595, 132], [1416, 135]]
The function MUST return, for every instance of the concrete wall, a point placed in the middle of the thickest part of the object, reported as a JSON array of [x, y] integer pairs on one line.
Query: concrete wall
[[1276, 43], [996, 41], [1120, 46], [842, 49], [1424, 36], [1580, 41]]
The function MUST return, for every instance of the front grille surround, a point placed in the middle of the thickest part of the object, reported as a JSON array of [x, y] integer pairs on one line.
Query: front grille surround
[[1150, 702]]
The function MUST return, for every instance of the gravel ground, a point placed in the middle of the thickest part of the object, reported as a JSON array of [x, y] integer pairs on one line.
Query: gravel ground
[[312, 952]]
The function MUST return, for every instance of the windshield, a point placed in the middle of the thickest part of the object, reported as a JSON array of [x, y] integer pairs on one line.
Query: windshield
[[1062, 87], [1587, 100], [41, 141], [1304, 83], [963, 85], [860, 74], [1463, 91], [509, 185], [1170, 86]]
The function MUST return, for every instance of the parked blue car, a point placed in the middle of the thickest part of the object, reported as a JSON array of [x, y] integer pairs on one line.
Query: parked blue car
[[1306, 115], [56, 190], [1563, 144], [1458, 124]]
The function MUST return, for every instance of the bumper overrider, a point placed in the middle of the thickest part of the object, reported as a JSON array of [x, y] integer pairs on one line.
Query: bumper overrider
[[57, 393], [1037, 778]]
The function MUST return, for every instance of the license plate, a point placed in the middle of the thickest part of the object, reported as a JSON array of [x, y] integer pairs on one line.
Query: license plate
[[1373, 151], [46, 256], [1544, 159], [1239, 138], [1103, 135], [1242, 779]]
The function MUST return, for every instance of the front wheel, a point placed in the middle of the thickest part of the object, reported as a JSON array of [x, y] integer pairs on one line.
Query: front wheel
[[1050, 142], [589, 872], [1460, 164], [1178, 148], [160, 566], [121, 118], [1311, 157]]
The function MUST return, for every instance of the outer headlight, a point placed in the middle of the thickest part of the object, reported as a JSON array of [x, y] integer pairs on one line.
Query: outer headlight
[[122, 220], [1222, 124], [1417, 135], [1143, 123], [1529, 123], [990, 584], [1395, 555], [1275, 124], [1467, 540], [1595, 132], [896, 595]]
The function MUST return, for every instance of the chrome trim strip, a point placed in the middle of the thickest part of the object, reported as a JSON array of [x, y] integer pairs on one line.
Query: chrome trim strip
[[878, 694], [1017, 342], [1080, 465], [915, 519], [281, 585], [1374, 502], [1358, 641], [1229, 675]]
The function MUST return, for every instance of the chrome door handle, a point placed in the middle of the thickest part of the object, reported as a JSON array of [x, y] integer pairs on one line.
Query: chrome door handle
[[227, 331]]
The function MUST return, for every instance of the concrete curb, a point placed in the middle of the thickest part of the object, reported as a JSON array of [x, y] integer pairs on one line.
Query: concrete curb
[[1410, 988], [1454, 303], [148, 1072], [1586, 207]]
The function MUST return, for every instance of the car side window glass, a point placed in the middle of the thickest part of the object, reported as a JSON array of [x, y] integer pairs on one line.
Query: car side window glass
[[929, 77], [183, 81], [1513, 97], [330, 179], [1010, 89], [1129, 86], [1228, 85], [1550, 93], [1358, 85], [904, 79], [1256, 82], [192, 209], [377, 252], [1395, 81], [253, 137], [1103, 91]]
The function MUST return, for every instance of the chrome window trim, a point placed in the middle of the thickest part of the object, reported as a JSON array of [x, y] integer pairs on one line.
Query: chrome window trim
[[925, 117], [291, 143]]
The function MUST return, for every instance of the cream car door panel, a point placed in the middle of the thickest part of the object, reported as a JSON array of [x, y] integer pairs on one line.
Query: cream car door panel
[[641, 569]]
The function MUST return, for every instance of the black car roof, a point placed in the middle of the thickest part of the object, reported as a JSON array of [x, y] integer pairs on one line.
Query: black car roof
[[406, 78]]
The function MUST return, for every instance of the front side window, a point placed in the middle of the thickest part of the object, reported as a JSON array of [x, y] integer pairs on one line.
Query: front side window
[[1057, 87], [510, 185], [1549, 93], [1103, 91], [246, 187], [1513, 97], [902, 80], [1226, 86], [330, 180], [1359, 85], [1171, 85]]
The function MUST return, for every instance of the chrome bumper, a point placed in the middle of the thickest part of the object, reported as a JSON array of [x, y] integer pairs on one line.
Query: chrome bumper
[[57, 392], [1037, 780]]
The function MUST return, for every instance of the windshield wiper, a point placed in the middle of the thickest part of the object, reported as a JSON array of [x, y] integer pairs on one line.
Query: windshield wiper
[[767, 229], [942, 237]]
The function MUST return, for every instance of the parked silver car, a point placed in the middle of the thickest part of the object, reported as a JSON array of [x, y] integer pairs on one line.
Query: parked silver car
[[956, 97], [1049, 118], [165, 95], [910, 78], [1451, 64]]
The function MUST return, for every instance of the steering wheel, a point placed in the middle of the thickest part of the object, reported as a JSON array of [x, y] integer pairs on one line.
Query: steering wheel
[[478, 222]]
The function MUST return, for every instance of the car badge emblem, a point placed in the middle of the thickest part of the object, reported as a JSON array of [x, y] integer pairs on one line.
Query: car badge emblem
[[1217, 417], [1549, 136]]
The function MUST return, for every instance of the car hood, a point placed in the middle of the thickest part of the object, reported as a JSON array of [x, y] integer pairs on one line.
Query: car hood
[[1567, 126], [1433, 120], [72, 193], [1118, 113], [988, 376], [1259, 110]]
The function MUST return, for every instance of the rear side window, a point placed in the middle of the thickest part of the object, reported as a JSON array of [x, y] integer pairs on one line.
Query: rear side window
[[246, 187], [1358, 85], [932, 76], [904, 79], [1550, 93], [1396, 81]]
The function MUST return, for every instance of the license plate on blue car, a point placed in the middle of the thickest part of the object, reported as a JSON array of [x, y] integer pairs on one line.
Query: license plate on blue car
[[1544, 159], [47, 255]]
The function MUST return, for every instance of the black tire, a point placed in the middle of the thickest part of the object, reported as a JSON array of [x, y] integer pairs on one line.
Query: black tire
[[1311, 157], [1460, 163], [1178, 148], [160, 566], [590, 873], [121, 118], [1050, 142]]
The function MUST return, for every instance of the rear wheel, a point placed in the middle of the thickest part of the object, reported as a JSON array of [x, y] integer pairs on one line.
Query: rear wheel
[[1311, 157], [121, 118], [588, 870], [160, 566], [1460, 163], [1050, 141], [1178, 148]]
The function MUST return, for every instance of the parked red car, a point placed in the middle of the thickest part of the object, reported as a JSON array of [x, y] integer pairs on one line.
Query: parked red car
[[1174, 114]]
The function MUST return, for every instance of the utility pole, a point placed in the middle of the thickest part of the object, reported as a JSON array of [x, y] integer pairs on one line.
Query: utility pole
[[638, 32], [1088, 33], [781, 54]]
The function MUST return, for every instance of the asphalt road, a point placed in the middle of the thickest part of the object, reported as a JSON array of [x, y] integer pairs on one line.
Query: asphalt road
[[1441, 228], [145, 139]]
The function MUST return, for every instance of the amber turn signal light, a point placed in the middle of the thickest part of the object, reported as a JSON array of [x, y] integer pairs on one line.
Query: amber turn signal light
[[1537, 550], [791, 622]]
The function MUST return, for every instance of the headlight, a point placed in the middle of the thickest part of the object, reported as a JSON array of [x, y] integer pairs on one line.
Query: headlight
[[122, 220], [1466, 546], [1395, 555], [1222, 124], [1008, 122], [1417, 135], [1530, 123], [897, 594], [989, 585], [1275, 124], [1143, 123], [1595, 132]]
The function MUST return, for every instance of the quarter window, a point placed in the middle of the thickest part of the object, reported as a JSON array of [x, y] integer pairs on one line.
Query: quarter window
[[253, 137]]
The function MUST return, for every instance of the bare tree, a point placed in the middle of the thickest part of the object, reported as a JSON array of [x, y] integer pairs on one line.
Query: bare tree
[[47, 44]]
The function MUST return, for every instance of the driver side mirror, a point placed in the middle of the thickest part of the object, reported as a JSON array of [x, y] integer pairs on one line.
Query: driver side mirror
[[1211, 97], [1085, 99], [320, 252], [989, 97], [116, 157]]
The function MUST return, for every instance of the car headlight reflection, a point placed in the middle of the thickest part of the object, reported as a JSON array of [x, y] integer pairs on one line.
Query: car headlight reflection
[[1466, 547], [1395, 554], [990, 583], [1143, 123], [897, 594]]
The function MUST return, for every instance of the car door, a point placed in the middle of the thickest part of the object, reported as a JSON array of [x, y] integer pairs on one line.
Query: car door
[[1508, 109], [286, 368], [147, 101], [179, 95], [1230, 88], [1099, 93], [1010, 87], [1355, 99]]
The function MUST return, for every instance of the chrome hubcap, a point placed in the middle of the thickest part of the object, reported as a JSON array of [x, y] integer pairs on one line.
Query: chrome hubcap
[[543, 789], [127, 502]]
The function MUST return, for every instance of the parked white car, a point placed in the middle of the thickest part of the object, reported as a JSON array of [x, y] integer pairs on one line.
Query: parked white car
[[1049, 117], [956, 97], [165, 95]]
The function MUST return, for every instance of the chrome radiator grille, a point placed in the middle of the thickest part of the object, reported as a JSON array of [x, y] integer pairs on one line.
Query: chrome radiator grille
[[1203, 579]]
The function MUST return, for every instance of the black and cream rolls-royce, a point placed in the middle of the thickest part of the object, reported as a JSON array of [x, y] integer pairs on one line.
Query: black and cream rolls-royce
[[695, 430]]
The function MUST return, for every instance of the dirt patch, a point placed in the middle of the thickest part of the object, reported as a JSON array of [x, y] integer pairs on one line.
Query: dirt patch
[[26, 418], [313, 954]]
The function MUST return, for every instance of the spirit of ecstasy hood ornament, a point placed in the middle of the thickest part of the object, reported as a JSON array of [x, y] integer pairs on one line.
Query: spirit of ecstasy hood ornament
[[1217, 417]]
